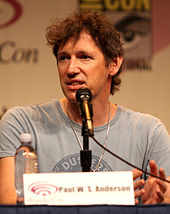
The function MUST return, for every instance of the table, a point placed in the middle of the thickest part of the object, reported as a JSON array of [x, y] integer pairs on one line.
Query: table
[[99, 209]]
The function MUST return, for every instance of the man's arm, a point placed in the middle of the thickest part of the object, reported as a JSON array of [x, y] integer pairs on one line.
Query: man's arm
[[7, 188]]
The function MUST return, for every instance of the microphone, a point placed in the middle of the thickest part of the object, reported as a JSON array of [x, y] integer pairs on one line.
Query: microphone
[[84, 97]]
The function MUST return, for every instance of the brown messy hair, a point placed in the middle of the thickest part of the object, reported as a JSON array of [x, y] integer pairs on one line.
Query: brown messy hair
[[96, 24]]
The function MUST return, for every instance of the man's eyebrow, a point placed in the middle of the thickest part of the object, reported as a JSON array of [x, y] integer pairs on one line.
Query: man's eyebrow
[[62, 53], [78, 52], [83, 52]]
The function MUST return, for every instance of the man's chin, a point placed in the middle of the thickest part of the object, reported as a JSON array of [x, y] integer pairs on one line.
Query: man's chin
[[71, 96], [71, 99]]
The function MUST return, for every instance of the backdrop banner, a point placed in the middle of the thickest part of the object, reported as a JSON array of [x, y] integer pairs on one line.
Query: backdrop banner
[[28, 71]]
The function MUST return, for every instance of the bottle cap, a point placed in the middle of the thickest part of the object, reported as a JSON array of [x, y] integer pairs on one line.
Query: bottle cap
[[25, 138]]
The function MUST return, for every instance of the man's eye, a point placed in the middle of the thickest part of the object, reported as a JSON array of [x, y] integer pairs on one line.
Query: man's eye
[[62, 58], [84, 57]]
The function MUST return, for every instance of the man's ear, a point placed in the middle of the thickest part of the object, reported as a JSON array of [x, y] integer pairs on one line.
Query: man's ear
[[115, 65]]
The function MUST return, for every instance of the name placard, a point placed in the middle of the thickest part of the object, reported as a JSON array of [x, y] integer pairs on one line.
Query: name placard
[[82, 188]]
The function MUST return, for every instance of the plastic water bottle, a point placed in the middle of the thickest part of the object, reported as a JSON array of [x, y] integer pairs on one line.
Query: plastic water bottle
[[26, 161]]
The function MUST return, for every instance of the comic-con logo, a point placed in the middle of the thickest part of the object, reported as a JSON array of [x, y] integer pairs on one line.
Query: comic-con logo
[[10, 11], [42, 188]]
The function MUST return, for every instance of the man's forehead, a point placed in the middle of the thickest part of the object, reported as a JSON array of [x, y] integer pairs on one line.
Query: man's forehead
[[75, 39]]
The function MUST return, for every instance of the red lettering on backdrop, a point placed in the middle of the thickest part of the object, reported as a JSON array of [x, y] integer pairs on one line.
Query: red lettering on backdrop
[[17, 12]]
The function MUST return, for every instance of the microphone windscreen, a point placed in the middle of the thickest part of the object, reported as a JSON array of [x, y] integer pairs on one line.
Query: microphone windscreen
[[83, 94]]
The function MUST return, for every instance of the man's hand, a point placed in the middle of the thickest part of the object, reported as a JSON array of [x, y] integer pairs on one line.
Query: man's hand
[[154, 188], [138, 184]]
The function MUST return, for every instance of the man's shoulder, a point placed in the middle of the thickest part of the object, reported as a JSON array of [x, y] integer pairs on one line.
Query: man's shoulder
[[31, 110], [135, 118]]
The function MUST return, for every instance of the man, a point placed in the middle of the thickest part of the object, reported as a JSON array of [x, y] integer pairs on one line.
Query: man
[[89, 54]]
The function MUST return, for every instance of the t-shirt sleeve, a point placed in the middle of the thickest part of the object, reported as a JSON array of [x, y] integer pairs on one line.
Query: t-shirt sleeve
[[160, 147], [12, 125]]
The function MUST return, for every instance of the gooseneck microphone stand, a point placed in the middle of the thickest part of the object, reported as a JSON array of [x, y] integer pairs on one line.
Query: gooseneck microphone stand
[[85, 154], [84, 97]]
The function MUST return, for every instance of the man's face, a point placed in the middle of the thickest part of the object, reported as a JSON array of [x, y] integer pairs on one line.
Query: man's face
[[81, 64]]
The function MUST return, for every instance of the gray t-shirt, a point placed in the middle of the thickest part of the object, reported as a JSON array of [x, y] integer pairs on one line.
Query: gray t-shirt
[[134, 136]]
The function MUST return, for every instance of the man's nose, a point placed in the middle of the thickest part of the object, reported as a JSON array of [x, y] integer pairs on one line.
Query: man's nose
[[72, 69]]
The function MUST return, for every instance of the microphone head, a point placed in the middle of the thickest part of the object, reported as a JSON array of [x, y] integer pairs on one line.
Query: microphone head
[[83, 94]]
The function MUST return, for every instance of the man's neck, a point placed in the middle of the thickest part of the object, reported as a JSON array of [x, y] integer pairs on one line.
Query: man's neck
[[101, 111]]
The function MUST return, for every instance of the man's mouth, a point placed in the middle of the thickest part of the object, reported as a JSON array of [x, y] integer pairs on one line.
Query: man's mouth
[[75, 83]]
